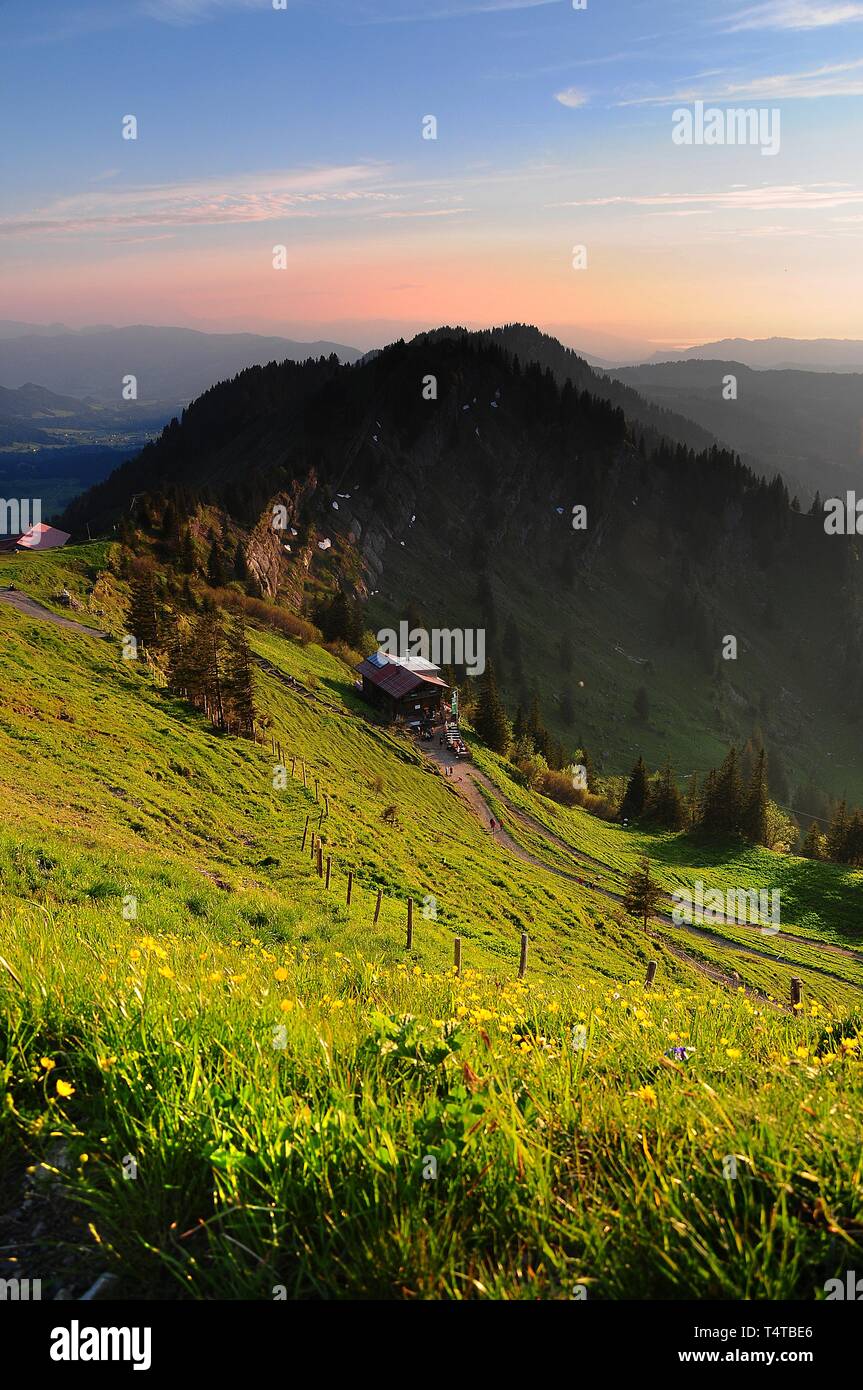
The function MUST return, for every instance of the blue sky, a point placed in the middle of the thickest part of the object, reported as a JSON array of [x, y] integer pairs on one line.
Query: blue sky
[[302, 127]]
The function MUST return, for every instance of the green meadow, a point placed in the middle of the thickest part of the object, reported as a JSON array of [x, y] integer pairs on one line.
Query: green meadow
[[309, 1108]]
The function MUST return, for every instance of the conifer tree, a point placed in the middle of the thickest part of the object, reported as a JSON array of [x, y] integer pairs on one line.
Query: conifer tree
[[170, 528], [666, 804], [692, 802], [239, 687], [642, 893], [728, 809], [709, 814], [241, 568], [216, 567], [635, 796], [814, 842], [142, 619], [854, 840], [837, 833], [754, 821], [489, 720], [188, 557]]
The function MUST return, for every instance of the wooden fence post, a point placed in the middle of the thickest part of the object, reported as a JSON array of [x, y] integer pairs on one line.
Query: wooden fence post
[[320, 861], [522, 965], [378, 903], [409, 940], [796, 991], [327, 803], [273, 738], [350, 885], [293, 765], [457, 954], [329, 867], [651, 974], [305, 833]]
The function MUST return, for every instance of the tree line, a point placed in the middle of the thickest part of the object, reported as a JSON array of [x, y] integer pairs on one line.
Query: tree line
[[205, 663]]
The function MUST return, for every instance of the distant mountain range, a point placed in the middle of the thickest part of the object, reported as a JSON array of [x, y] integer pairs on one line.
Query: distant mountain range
[[172, 365], [811, 354], [31, 414], [806, 425]]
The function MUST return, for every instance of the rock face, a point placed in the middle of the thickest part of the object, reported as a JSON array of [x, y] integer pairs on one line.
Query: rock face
[[265, 553]]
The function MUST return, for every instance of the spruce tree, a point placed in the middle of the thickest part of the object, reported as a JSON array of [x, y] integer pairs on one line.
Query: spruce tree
[[814, 842], [642, 893], [188, 557], [241, 568], [709, 814], [666, 804], [837, 833], [170, 528], [692, 802], [216, 567], [239, 687], [489, 720], [729, 795], [854, 840], [754, 822], [635, 796], [142, 618]]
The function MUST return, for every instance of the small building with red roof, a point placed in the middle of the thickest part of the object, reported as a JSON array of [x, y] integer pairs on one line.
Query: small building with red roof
[[404, 687], [42, 537]]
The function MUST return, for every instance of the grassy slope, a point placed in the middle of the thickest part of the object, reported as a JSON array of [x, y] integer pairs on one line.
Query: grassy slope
[[556, 1164]]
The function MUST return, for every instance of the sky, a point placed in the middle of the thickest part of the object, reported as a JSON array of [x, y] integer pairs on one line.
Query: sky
[[303, 127]]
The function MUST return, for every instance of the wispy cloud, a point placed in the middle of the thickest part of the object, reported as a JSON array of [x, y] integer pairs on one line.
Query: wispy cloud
[[793, 14], [571, 96], [829, 80], [252, 198], [784, 197], [456, 9], [437, 212]]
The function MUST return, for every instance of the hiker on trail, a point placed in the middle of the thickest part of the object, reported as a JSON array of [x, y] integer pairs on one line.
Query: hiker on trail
[[491, 823]]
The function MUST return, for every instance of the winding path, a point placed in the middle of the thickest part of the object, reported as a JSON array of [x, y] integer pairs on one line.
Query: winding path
[[473, 785], [31, 608]]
